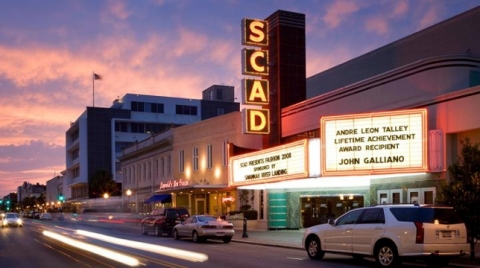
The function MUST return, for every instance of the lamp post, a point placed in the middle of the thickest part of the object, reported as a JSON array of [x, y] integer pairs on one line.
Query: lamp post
[[129, 193]]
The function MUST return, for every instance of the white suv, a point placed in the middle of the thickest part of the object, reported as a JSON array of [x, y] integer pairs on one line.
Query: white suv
[[391, 233]]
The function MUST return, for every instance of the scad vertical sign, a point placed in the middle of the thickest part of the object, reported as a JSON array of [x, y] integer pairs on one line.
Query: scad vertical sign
[[255, 63]]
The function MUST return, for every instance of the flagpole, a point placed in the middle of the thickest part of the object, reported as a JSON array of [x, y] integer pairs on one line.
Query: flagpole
[[93, 92]]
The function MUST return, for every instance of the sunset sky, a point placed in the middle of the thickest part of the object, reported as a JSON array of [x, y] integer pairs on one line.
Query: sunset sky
[[49, 50]]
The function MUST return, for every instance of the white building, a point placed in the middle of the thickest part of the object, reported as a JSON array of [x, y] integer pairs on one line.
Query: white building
[[96, 139]]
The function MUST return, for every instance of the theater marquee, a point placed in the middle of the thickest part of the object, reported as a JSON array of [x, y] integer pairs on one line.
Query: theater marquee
[[288, 161], [374, 143]]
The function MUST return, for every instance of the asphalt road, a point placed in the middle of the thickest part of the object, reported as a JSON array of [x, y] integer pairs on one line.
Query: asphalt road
[[73, 244]]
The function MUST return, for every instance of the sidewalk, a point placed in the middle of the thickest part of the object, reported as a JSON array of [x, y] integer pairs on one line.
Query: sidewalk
[[293, 239], [279, 238]]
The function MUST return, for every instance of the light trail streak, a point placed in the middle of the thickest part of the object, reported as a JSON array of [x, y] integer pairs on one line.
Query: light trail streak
[[176, 253], [94, 249]]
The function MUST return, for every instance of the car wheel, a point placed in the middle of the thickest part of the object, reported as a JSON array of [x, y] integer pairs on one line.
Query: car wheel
[[144, 230], [175, 235], [158, 230], [227, 240], [386, 255], [195, 237], [314, 249]]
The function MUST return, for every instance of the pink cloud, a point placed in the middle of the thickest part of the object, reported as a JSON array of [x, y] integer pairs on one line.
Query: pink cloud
[[338, 11], [378, 25], [400, 9], [429, 17], [118, 10]]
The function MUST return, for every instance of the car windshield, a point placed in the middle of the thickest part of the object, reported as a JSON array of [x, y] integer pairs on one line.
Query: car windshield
[[11, 216], [426, 215]]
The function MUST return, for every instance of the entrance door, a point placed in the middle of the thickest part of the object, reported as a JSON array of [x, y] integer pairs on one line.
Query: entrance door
[[200, 206], [318, 209]]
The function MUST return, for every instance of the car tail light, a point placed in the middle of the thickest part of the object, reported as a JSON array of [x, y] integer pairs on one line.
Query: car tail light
[[207, 226], [420, 232]]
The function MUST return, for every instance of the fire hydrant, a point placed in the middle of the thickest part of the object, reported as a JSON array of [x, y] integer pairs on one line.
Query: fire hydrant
[[244, 235]]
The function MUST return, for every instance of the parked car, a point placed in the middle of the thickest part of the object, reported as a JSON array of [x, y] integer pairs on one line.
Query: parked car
[[203, 227], [12, 219], [391, 233], [161, 221], [46, 216]]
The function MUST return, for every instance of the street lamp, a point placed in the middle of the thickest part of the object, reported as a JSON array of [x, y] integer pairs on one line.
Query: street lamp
[[105, 195], [129, 193]]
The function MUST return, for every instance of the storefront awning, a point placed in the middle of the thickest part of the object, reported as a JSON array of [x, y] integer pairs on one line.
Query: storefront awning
[[159, 198]]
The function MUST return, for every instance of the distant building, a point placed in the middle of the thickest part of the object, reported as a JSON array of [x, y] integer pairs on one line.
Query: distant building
[[28, 190], [54, 193], [96, 139]]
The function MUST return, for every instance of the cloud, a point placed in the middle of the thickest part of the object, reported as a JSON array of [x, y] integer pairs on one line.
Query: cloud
[[429, 17], [377, 25], [338, 11], [400, 9], [32, 156]]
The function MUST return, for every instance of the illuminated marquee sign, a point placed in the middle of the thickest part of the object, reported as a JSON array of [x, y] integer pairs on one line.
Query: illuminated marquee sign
[[374, 143], [280, 163], [255, 91], [255, 62], [173, 184], [256, 121], [254, 33]]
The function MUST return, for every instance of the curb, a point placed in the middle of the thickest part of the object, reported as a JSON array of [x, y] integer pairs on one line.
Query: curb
[[266, 244]]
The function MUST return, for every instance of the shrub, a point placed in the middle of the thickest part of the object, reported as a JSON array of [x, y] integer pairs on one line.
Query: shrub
[[248, 214]]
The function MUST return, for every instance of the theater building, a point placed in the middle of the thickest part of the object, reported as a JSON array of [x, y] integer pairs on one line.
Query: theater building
[[380, 128]]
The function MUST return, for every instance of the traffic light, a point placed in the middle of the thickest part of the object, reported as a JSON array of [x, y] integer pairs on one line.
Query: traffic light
[[61, 198]]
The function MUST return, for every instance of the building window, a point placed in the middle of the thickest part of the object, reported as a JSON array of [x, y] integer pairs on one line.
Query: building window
[[209, 156], [393, 196], [162, 167], [169, 165], [225, 153], [186, 109], [157, 108], [195, 158], [148, 107], [74, 136], [76, 172], [181, 161], [121, 126], [219, 94], [421, 195], [138, 106], [149, 170], [75, 154]]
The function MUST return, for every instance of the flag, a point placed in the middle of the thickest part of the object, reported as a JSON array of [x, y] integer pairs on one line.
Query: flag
[[96, 77]]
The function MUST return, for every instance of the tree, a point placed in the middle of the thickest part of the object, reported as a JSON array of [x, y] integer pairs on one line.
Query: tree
[[462, 190], [102, 182]]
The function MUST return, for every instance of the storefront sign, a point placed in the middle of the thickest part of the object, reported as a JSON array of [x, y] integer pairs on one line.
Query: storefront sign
[[284, 162], [173, 184], [255, 62], [374, 143]]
